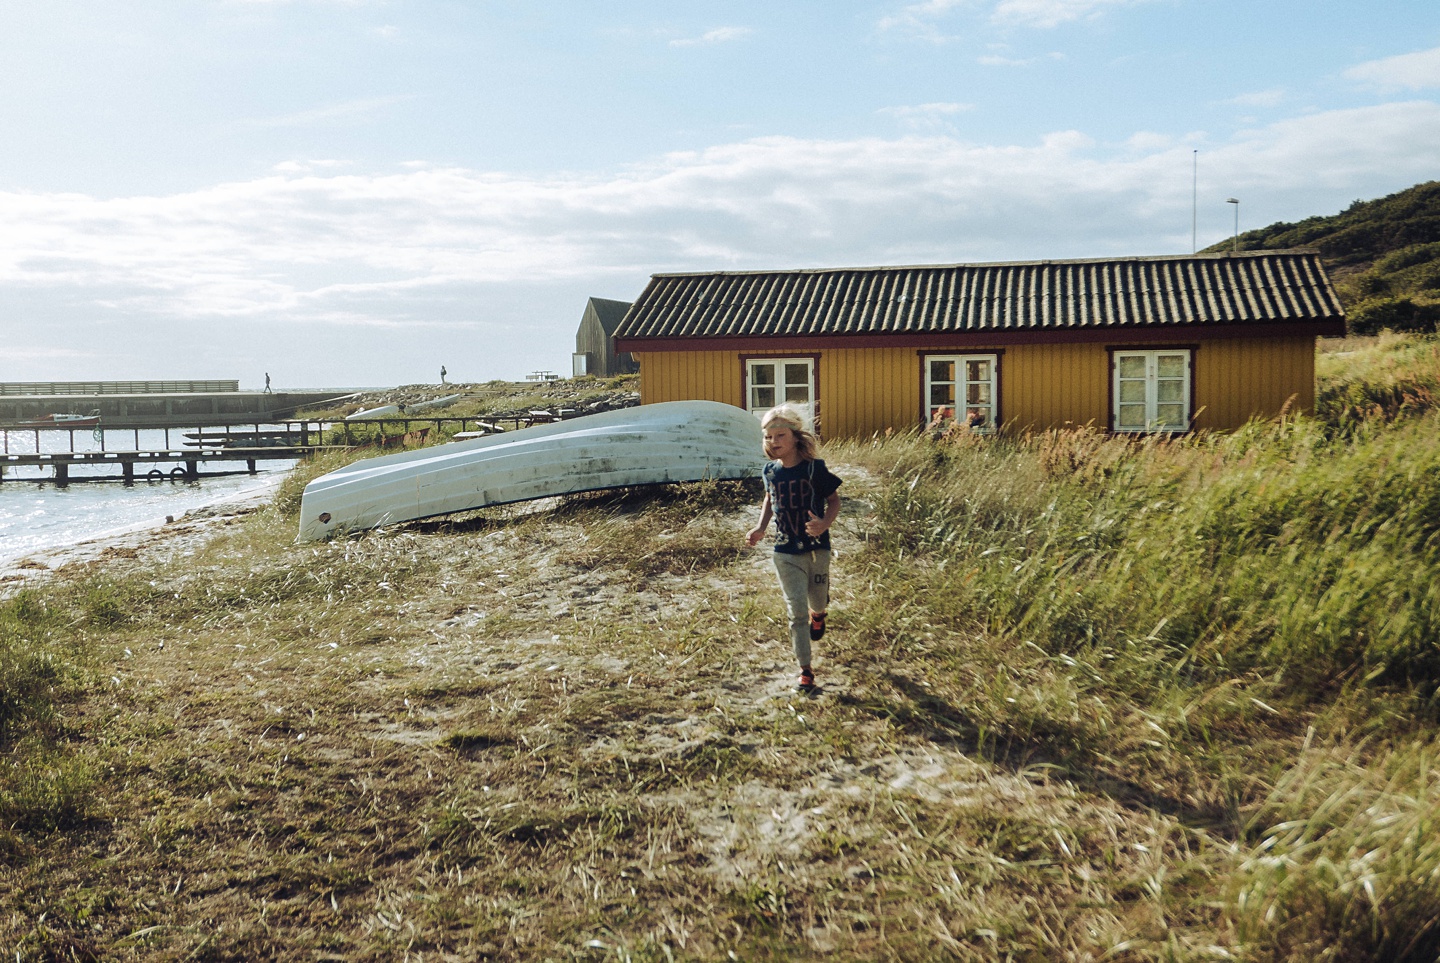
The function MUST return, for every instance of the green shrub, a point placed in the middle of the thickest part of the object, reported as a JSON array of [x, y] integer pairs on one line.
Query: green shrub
[[1392, 314]]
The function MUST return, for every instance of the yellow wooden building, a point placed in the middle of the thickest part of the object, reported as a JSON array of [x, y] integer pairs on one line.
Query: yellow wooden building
[[1155, 344]]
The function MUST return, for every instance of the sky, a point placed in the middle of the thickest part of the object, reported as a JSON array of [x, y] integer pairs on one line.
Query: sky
[[348, 193]]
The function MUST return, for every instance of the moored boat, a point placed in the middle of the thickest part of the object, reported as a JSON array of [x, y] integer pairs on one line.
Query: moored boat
[[676, 441], [62, 420]]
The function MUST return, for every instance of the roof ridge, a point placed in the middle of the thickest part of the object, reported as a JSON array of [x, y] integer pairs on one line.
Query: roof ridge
[[1124, 259]]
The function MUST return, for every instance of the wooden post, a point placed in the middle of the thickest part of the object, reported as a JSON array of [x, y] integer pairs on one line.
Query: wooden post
[[192, 470], [127, 470], [250, 462], [62, 473]]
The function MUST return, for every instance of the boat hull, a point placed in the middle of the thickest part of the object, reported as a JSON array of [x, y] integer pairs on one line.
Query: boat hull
[[676, 441], [60, 421]]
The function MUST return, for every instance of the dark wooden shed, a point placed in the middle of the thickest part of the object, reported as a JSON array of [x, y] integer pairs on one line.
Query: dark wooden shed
[[595, 341]]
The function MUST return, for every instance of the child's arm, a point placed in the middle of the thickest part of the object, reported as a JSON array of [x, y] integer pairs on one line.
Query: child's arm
[[817, 526], [758, 532]]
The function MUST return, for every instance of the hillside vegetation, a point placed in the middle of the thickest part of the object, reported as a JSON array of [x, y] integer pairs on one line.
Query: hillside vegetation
[[1384, 256], [1084, 698]]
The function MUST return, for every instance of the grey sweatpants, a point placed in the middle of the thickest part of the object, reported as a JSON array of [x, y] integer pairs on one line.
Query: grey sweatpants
[[805, 583]]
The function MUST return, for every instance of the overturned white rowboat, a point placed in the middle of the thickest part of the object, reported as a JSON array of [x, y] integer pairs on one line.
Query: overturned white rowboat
[[676, 441], [400, 411]]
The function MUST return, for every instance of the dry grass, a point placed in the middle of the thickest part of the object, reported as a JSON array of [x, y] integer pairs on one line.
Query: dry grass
[[539, 735], [1084, 699]]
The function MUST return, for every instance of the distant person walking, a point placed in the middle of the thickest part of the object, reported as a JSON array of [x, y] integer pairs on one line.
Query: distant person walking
[[802, 495], [267, 383], [442, 374]]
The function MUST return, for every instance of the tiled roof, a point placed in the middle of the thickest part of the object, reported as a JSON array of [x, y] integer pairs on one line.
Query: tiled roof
[[1121, 293]]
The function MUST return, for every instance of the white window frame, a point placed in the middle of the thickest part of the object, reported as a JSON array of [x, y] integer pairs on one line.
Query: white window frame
[[961, 385], [780, 388], [1154, 387]]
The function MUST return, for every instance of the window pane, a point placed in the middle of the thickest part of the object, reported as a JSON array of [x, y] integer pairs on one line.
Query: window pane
[[1171, 416], [1172, 365], [1132, 416], [1170, 391], [762, 374], [798, 394], [799, 374], [978, 417], [942, 395], [762, 397], [942, 371], [1132, 391], [1132, 366], [977, 370], [977, 394]]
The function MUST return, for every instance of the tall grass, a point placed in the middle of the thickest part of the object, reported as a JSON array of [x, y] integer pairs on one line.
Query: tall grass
[[1348, 863], [1385, 375], [1283, 550]]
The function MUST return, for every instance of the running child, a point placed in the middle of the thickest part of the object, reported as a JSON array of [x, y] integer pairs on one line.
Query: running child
[[801, 495]]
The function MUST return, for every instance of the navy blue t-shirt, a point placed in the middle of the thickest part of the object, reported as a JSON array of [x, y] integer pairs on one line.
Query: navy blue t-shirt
[[794, 493]]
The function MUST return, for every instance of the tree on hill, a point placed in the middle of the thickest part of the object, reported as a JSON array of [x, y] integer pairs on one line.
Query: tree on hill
[[1384, 256]]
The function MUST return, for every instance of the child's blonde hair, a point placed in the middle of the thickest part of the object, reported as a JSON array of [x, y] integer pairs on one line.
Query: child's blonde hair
[[807, 446]]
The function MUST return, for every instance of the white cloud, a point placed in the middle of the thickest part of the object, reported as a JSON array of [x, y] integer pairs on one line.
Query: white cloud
[[1052, 13], [919, 18], [996, 60], [1411, 71], [1145, 140], [497, 264], [927, 118], [717, 35]]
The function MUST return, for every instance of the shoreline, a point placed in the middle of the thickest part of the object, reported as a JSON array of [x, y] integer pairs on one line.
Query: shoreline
[[190, 527]]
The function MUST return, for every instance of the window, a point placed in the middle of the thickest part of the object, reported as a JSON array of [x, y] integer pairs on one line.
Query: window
[[962, 388], [775, 381], [1152, 390]]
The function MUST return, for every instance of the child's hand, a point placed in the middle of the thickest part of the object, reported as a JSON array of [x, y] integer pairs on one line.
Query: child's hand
[[752, 538], [816, 526]]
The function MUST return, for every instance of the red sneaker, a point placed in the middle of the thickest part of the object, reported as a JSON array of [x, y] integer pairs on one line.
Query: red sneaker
[[817, 627], [807, 681]]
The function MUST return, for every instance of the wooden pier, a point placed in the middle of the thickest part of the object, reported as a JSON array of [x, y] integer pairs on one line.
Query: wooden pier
[[184, 450], [186, 462]]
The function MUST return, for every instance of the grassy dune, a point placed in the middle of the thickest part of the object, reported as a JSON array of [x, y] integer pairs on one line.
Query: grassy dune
[[1084, 698]]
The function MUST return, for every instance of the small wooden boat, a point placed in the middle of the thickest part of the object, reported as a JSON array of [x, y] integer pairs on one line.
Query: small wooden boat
[[62, 421], [676, 441]]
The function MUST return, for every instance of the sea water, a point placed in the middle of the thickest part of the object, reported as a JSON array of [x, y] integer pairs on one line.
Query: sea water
[[36, 514]]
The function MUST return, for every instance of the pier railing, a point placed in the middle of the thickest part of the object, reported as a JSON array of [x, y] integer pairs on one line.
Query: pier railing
[[115, 387]]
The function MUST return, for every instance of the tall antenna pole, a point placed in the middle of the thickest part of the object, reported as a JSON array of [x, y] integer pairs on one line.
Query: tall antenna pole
[[1194, 196]]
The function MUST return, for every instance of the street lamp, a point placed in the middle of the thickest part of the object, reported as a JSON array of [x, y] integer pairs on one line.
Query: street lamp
[[1235, 244]]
